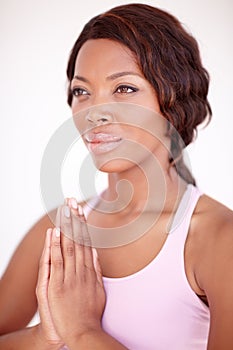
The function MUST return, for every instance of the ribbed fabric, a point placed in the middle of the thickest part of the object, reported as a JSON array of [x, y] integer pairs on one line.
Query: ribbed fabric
[[155, 308]]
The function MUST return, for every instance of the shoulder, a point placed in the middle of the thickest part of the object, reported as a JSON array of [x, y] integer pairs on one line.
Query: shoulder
[[212, 220], [213, 236], [29, 249], [32, 243], [211, 233]]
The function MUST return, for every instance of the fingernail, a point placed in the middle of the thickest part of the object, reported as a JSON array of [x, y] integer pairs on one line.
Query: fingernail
[[66, 211], [95, 254], [57, 232], [80, 210], [49, 231], [74, 203]]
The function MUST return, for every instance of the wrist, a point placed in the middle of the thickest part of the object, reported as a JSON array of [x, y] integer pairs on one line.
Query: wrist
[[41, 343], [85, 338], [37, 337]]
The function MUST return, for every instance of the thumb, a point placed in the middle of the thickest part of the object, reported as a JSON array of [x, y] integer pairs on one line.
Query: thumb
[[97, 266], [44, 268]]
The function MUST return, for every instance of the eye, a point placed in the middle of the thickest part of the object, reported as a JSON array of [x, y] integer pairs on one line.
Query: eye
[[125, 89], [79, 92]]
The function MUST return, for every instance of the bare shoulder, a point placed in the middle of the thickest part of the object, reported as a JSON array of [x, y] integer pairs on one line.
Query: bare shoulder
[[212, 220], [29, 250], [31, 245], [211, 237], [33, 240]]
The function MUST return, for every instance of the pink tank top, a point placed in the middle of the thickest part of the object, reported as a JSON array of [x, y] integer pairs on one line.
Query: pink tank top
[[155, 308]]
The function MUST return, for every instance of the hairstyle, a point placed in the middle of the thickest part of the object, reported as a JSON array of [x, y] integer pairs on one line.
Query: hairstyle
[[169, 59]]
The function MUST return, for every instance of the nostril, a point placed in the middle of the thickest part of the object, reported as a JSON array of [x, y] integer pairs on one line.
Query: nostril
[[103, 119], [98, 119]]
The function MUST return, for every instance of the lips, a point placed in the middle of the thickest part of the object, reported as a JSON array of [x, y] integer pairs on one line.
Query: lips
[[101, 137], [102, 142]]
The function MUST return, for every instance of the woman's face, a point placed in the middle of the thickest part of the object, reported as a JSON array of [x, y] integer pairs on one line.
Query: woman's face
[[115, 108]]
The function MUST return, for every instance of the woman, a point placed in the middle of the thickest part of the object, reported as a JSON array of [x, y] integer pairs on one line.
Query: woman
[[160, 276]]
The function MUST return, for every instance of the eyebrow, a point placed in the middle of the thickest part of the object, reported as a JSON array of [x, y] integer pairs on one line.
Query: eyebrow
[[110, 77], [121, 74]]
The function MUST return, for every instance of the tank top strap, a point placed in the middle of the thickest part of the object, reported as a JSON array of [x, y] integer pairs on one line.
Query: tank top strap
[[186, 208], [183, 213]]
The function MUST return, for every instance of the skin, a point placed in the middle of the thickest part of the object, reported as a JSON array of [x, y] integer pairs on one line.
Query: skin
[[208, 250]]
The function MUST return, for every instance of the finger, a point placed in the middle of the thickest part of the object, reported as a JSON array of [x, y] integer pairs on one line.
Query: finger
[[77, 235], [43, 279], [88, 255], [67, 243], [76, 223], [56, 270], [44, 268], [58, 217], [85, 233], [65, 221], [97, 266]]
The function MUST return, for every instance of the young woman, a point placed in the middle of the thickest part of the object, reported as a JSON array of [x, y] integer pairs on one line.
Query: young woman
[[160, 275]]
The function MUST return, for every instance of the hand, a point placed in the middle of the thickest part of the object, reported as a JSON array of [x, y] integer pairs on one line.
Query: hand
[[46, 329], [75, 292]]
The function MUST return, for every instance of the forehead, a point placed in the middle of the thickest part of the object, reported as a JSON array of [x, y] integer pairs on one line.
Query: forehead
[[104, 55]]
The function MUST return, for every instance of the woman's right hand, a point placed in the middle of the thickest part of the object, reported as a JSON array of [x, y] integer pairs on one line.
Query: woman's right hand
[[46, 331]]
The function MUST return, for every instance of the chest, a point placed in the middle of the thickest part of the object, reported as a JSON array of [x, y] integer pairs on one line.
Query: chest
[[145, 306], [127, 259], [142, 243]]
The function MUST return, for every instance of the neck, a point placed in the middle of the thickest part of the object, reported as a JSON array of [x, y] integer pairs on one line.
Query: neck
[[143, 186]]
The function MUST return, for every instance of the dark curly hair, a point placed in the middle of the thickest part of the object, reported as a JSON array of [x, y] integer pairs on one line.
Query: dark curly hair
[[168, 57]]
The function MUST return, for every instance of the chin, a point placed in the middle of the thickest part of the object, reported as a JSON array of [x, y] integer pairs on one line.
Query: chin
[[113, 165]]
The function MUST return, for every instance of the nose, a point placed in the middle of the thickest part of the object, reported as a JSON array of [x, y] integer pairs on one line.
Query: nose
[[97, 116]]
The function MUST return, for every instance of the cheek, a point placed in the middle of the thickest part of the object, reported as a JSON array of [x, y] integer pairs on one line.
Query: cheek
[[149, 100], [147, 129], [145, 140], [145, 125]]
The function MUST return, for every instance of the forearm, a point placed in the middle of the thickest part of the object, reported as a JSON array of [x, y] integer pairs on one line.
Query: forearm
[[98, 340], [27, 338]]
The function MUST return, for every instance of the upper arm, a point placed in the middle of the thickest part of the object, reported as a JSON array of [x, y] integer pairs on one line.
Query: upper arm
[[17, 286], [217, 282]]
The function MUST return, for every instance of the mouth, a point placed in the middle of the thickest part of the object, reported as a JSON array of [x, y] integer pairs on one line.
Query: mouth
[[102, 142]]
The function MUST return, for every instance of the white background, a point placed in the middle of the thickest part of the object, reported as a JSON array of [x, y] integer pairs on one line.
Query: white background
[[35, 41]]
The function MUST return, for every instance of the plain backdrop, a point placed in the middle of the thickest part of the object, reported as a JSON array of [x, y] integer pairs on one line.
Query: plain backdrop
[[35, 40]]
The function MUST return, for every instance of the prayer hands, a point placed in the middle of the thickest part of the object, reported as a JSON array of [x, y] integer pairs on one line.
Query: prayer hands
[[70, 290]]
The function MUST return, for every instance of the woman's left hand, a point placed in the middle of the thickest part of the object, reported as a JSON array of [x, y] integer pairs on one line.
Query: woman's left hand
[[76, 294]]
